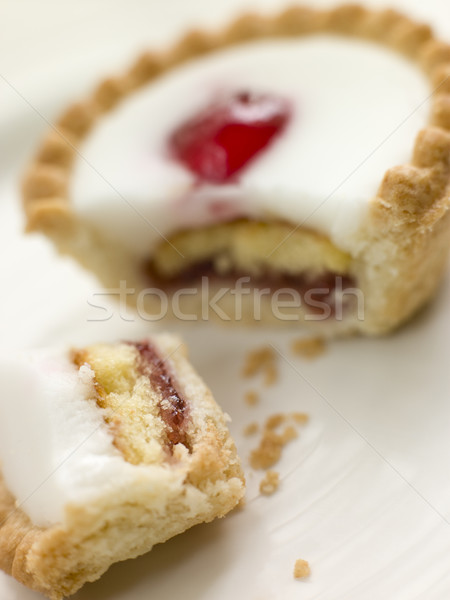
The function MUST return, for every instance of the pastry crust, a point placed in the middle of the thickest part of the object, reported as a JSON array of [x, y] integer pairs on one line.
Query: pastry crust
[[401, 251], [195, 487]]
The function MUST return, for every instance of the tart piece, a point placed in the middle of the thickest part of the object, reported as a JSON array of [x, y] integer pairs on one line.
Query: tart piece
[[292, 168], [106, 451]]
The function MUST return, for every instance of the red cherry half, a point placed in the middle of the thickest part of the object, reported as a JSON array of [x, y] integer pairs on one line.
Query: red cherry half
[[218, 142]]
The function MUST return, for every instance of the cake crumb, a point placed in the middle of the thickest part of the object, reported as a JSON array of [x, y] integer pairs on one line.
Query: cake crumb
[[270, 374], [268, 452], [301, 568], [289, 434], [262, 360], [269, 484], [275, 421], [256, 360], [300, 418], [251, 398], [309, 348], [251, 429]]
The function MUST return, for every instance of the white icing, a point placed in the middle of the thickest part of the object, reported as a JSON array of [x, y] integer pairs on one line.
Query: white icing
[[55, 449], [357, 109]]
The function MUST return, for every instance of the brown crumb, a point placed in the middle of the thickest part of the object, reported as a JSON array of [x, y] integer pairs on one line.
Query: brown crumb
[[270, 483], [309, 348], [289, 434], [268, 451], [274, 421], [270, 374], [301, 569], [251, 398], [251, 429], [256, 360], [300, 418], [263, 361]]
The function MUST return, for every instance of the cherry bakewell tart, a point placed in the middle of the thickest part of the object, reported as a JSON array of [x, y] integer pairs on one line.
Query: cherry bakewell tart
[[105, 451], [307, 152]]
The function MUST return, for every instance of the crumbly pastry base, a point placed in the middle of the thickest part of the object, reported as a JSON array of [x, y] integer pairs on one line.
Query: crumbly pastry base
[[400, 252], [58, 560]]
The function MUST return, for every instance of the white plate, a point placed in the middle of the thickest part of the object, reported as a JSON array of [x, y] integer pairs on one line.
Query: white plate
[[365, 491]]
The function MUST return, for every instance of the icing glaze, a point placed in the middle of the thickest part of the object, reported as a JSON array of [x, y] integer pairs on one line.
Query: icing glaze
[[55, 449], [356, 110]]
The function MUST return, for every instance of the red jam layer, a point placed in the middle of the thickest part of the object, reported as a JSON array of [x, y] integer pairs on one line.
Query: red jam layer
[[219, 141], [315, 291], [173, 407]]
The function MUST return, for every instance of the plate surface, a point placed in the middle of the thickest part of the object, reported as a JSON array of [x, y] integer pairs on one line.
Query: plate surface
[[365, 489]]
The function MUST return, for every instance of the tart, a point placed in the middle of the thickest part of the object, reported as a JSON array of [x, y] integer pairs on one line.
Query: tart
[[291, 168], [105, 451]]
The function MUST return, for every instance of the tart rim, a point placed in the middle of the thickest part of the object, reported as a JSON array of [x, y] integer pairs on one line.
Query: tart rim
[[45, 186]]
